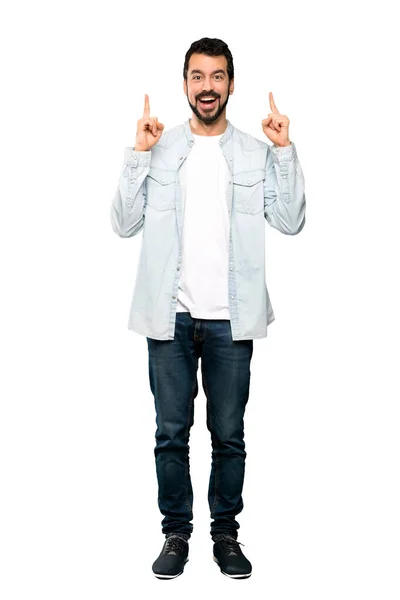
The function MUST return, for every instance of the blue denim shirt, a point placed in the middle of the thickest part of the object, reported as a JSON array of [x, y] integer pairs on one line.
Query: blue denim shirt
[[266, 182]]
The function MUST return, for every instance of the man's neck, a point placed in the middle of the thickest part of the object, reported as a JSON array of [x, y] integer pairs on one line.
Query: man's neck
[[199, 128]]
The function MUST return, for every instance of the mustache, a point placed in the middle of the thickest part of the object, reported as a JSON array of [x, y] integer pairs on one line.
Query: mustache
[[207, 96]]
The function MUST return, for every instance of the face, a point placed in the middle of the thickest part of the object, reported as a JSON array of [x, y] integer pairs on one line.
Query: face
[[207, 77]]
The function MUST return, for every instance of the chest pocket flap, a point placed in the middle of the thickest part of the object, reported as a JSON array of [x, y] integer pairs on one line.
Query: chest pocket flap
[[248, 191], [160, 188]]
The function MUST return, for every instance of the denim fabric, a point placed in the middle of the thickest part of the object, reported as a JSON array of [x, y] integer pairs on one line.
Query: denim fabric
[[266, 184], [225, 369]]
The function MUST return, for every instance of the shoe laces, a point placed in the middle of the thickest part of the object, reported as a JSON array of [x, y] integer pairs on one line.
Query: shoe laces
[[174, 545], [230, 545]]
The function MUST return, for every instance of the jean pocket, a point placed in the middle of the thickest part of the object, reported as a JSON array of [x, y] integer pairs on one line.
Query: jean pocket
[[160, 185], [248, 191]]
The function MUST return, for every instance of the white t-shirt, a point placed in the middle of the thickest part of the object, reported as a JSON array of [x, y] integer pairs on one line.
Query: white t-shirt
[[204, 177]]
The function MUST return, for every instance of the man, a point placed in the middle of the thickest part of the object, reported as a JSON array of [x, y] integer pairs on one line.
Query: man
[[201, 193]]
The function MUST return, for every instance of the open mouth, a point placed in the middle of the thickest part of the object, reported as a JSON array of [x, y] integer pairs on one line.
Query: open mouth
[[208, 103]]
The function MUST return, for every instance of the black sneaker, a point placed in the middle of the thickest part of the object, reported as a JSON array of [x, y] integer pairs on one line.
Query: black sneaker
[[230, 558], [173, 557]]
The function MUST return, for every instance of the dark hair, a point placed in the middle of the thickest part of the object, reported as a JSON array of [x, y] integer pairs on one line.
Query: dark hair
[[210, 47]]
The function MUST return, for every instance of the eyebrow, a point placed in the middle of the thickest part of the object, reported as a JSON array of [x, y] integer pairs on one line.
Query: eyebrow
[[213, 73]]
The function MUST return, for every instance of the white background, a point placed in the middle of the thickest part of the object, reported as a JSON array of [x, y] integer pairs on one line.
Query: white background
[[79, 514]]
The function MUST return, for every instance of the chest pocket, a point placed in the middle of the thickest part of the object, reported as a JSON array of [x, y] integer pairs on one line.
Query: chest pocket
[[248, 191], [160, 185]]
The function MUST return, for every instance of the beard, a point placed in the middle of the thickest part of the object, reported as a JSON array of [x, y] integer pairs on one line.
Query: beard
[[211, 118]]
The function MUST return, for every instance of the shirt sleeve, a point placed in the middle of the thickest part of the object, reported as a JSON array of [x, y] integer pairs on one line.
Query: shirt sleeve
[[284, 190]]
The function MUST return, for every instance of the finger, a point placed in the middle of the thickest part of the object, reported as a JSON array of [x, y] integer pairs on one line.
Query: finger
[[146, 112], [148, 125], [282, 121], [277, 124], [269, 122], [272, 104], [145, 124], [154, 125], [160, 128]]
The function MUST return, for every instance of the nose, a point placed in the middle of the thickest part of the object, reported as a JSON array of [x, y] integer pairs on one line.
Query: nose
[[207, 86]]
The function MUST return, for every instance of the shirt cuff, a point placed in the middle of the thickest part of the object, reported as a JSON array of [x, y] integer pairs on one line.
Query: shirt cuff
[[283, 152], [135, 158]]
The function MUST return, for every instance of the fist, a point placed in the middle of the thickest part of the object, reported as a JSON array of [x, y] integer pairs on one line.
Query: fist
[[149, 130], [276, 126]]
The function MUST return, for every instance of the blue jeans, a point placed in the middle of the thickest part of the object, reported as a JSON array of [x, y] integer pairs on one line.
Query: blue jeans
[[225, 368]]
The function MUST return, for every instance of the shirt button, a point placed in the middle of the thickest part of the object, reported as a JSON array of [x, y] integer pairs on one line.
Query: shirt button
[[230, 158], [181, 158], [178, 268], [279, 153], [249, 181], [232, 297], [174, 297], [231, 268], [284, 177]]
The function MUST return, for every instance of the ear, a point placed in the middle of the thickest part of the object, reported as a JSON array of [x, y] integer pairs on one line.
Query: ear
[[231, 86], [185, 87]]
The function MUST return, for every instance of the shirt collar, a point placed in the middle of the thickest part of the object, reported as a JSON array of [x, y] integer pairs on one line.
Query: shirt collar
[[225, 137]]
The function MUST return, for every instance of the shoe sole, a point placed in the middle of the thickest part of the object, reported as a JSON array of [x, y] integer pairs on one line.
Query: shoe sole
[[241, 576], [161, 576]]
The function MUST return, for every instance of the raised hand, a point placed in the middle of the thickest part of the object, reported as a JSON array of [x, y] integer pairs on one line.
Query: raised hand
[[276, 126], [149, 130]]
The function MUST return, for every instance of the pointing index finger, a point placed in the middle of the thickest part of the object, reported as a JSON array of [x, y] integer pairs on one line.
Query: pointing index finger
[[146, 112], [272, 104]]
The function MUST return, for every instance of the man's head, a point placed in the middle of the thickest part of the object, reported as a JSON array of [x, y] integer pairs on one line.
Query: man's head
[[208, 73]]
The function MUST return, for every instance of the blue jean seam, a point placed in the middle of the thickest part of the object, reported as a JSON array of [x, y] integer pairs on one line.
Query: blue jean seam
[[216, 458], [215, 487], [187, 435]]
